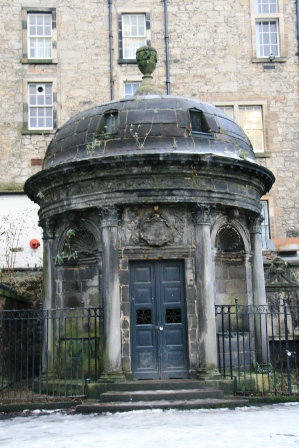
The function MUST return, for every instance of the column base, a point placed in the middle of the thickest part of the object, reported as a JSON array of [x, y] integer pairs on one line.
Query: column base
[[111, 377], [208, 374]]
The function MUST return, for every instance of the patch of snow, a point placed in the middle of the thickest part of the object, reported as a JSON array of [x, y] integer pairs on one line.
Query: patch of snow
[[273, 426]]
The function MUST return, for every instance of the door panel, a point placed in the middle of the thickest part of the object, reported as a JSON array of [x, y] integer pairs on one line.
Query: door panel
[[158, 323], [142, 321]]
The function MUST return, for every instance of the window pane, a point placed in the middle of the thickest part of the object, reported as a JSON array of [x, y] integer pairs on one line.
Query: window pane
[[126, 25], [111, 123], [49, 122], [32, 19], [39, 36], [40, 123], [32, 123], [251, 120], [40, 48], [133, 34], [48, 89], [40, 30], [267, 38], [134, 20], [141, 25], [33, 111], [229, 110], [48, 100], [131, 45], [39, 96], [48, 30], [266, 6]]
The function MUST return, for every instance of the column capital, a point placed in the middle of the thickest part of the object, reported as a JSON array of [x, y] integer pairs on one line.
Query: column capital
[[109, 216], [202, 213], [49, 227], [255, 223]]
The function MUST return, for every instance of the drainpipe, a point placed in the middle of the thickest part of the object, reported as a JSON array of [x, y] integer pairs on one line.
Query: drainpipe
[[166, 47], [111, 51]]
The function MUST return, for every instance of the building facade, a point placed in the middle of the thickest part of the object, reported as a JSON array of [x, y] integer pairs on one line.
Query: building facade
[[61, 58]]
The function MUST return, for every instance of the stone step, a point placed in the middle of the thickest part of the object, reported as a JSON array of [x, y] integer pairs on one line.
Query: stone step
[[211, 403], [95, 389], [158, 395]]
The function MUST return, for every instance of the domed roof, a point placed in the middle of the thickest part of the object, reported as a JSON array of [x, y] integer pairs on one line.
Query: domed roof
[[151, 124], [151, 147]]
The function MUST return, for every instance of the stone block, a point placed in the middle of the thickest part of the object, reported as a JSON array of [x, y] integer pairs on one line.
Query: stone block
[[124, 265], [125, 297], [124, 277]]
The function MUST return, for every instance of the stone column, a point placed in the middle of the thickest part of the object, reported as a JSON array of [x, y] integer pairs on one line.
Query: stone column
[[48, 226], [205, 293], [258, 287], [111, 294], [48, 301]]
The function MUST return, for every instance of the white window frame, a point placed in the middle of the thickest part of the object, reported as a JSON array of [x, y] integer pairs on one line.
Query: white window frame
[[28, 36], [42, 104], [129, 11], [263, 33], [39, 41], [131, 41], [258, 42], [235, 107]]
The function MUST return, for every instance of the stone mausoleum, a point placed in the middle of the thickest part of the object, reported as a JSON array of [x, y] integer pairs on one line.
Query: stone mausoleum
[[150, 208]]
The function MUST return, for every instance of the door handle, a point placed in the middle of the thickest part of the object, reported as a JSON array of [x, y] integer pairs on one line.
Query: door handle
[[157, 327], [161, 328]]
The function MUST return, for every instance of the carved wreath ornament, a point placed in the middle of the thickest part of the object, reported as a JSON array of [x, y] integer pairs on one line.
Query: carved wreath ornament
[[155, 230]]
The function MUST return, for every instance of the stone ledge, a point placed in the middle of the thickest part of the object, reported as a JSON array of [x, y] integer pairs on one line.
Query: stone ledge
[[39, 61], [209, 403], [263, 60]]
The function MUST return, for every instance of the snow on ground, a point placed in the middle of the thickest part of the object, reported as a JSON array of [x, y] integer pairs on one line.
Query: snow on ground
[[265, 426]]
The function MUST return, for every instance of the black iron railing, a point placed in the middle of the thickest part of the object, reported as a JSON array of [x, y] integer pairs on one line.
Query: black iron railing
[[258, 346], [49, 354]]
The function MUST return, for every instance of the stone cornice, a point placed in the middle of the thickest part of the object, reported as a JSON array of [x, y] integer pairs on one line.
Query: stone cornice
[[200, 164]]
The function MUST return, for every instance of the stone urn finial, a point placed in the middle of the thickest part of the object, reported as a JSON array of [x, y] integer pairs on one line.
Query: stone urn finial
[[146, 58]]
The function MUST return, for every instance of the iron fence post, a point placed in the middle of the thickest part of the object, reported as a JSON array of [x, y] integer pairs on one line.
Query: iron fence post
[[287, 344], [41, 346], [238, 345], [82, 332], [230, 341]]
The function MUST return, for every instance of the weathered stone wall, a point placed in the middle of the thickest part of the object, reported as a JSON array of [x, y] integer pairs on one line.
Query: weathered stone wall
[[231, 280], [211, 51], [77, 283]]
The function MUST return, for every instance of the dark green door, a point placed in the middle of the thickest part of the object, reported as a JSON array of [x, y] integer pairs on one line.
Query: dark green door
[[158, 321]]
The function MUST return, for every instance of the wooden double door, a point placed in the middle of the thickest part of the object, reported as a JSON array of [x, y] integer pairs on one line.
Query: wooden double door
[[158, 320]]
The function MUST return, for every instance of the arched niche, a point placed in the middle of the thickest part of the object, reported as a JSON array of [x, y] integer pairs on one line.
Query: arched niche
[[78, 265], [232, 253]]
